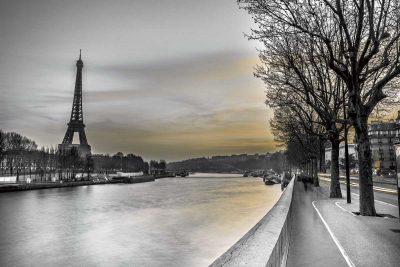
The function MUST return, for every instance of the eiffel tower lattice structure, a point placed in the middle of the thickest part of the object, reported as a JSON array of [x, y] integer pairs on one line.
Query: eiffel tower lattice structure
[[76, 121]]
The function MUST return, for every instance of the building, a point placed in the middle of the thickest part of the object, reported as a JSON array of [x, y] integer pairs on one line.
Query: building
[[352, 151], [382, 137]]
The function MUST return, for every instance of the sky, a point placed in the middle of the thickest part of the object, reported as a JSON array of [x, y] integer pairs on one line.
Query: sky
[[161, 79]]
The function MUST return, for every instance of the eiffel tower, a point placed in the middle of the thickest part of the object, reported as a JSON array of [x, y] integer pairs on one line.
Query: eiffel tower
[[76, 122]]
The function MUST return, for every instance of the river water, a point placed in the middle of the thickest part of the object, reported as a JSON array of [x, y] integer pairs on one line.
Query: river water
[[170, 222]]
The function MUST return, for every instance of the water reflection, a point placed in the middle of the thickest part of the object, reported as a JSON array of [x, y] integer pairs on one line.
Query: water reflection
[[170, 222]]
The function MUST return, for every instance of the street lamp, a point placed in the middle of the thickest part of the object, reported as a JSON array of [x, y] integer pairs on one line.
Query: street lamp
[[346, 151], [397, 150]]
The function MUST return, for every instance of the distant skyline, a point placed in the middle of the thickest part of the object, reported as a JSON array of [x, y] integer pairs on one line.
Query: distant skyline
[[161, 79]]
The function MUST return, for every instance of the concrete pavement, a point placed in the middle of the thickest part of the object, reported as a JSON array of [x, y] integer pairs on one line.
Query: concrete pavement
[[310, 244], [325, 232]]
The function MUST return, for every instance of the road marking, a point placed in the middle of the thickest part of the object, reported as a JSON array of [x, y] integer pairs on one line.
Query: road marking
[[341, 249], [337, 204], [376, 188], [328, 180], [378, 201]]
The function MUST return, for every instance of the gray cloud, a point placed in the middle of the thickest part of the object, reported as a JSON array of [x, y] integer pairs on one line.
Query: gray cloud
[[164, 79]]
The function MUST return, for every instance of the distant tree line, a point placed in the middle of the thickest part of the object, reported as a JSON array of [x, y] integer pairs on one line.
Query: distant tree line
[[232, 164], [21, 157], [157, 167], [120, 162]]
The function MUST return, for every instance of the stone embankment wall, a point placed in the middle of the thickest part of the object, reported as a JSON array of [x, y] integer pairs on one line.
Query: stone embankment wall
[[267, 243]]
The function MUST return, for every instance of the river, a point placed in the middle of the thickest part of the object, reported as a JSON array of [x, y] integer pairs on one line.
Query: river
[[170, 222]]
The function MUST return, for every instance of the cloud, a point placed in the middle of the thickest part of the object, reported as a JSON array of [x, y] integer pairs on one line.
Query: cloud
[[199, 106], [181, 142], [174, 86]]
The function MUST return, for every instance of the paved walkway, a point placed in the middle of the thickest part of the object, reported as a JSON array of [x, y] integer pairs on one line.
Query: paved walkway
[[326, 233], [310, 244]]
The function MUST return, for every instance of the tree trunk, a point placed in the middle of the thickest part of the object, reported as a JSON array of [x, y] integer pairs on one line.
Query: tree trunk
[[335, 185], [367, 204], [322, 167], [306, 168], [315, 174]]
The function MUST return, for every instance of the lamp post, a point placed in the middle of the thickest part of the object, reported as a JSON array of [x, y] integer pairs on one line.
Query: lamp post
[[346, 151], [397, 150]]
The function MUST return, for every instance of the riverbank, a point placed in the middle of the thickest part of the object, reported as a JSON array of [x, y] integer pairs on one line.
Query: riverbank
[[12, 187]]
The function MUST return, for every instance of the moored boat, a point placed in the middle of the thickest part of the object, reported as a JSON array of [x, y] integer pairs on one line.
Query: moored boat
[[269, 182]]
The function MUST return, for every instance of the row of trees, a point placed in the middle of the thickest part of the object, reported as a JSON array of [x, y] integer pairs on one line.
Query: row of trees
[[19, 152], [128, 163], [70, 163], [232, 164], [157, 167], [20, 156], [120, 162], [328, 65]]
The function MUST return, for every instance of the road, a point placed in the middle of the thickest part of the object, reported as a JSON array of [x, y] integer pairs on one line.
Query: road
[[381, 193]]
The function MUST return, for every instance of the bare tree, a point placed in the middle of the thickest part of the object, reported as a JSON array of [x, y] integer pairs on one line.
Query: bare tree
[[16, 147], [299, 129], [297, 77], [89, 164], [359, 40], [2, 146]]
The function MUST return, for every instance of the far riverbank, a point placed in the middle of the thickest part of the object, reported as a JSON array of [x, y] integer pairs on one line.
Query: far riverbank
[[23, 186]]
